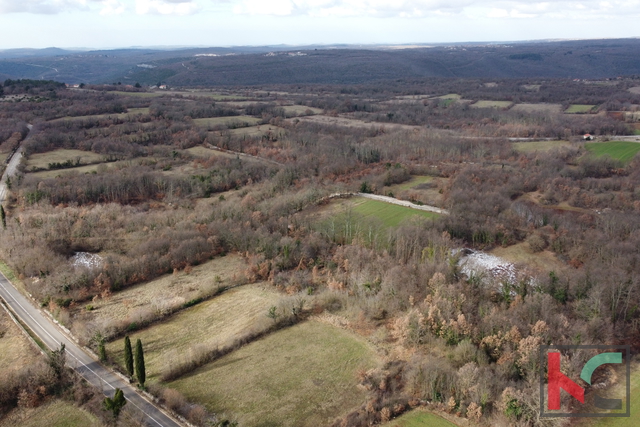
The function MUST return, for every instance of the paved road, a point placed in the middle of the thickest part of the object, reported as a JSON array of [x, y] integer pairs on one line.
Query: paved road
[[88, 367]]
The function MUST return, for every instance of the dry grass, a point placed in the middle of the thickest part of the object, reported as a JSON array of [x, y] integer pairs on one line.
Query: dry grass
[[227, 121], [131, 112], [16, 351], [425, 189], [168, 290], [353, 123], [257, 130], [205, 153], [42, 160], [299, 110], [538, 108], [304, 375], [217, 322], [579, 108], [449, 96], [531, 146], [520, 253], [419, 418], [635, 89], [491, 104], [56, 413]]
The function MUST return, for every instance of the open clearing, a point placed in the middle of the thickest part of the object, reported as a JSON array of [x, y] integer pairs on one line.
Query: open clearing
[[165, 292], [56, 413], [531, 146], [131, 112], [390, 215], [449, 96], [205, 153], [303, 376], [231, 121], [419, 418], [520, 253], [16, 351], [42, 160], [579, 108], [491, 104], [635, 89], [300, 110], [538, 108], [217, 322], [412, 183], [353, 123], [259, 130], [426, 189], [620, 150], [619, 392]]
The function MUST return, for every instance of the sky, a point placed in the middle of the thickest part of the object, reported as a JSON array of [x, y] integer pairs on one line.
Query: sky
[[127, 23]]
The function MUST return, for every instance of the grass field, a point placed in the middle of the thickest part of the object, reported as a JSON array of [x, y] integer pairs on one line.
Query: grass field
[[390, 215], [42, 160], [620, 150], [16, 351], [130, 113], [579, 108], [56, 413], [257, 130], [227, 121], [168, 290], [218, 321], [140, 94], [520, 253], [303, 376], [531, 146], [299, 110], [413, 182], [419, 418], [449, 96], [618, 392], [538, 108], [491, 104], [205, 153]]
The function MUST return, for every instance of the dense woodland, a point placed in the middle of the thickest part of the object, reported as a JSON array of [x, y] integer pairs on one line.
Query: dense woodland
[[467, 345]]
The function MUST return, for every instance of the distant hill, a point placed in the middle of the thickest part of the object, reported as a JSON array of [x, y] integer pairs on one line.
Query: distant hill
[[336, 65]]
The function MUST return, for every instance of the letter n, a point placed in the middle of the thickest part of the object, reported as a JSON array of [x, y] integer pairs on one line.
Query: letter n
[[557, 381]]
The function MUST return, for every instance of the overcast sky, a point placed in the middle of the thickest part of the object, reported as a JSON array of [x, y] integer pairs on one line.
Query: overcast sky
[[125, 23]]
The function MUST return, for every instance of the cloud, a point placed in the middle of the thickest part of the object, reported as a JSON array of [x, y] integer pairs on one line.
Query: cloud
[[166, 7], [503, 9], [104, 7], [43, 7]]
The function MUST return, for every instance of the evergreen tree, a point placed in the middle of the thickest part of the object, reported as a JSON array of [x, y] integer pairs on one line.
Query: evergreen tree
[[3, 217], [139, 359], [115, 405], [128, 356]]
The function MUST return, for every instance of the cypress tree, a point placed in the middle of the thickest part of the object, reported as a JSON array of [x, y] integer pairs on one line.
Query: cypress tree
[[3, 216], [115, 405], [139, 359], [128, 356]]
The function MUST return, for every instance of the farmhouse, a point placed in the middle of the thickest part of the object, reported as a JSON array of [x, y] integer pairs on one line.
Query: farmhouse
[[587, 137]]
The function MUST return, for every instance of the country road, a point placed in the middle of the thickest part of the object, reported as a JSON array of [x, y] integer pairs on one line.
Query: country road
[[12, 167], [78, 359]]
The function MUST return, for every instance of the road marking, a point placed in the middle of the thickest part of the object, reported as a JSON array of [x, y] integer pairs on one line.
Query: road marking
[[72, 355]]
